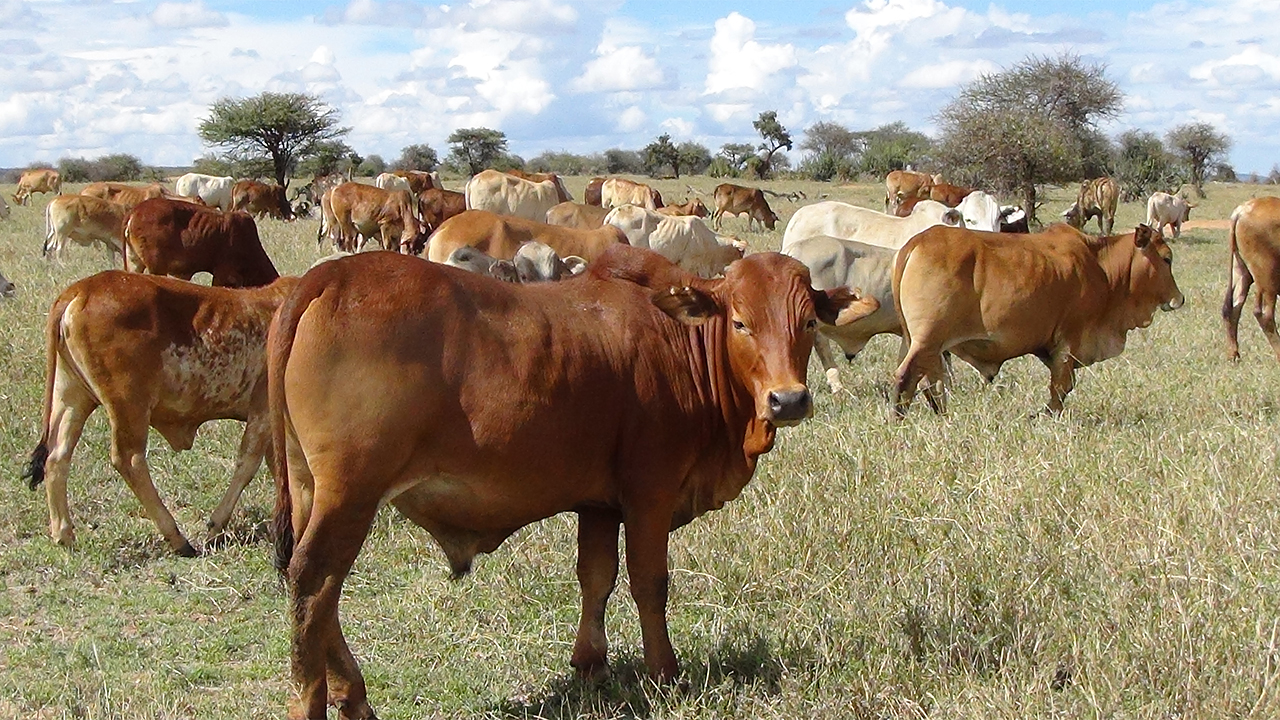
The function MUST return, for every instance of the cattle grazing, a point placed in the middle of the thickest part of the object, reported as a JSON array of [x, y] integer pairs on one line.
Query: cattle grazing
[[902, 184], [1013, 220], [575, 215], [353, 210], [83, 220], [7, 289], [849, 222], [211, 190], [259, 198], [1165, 209], [40, 180], [130, 196], [506, 194], [1097, 198], [154, 352], [684, 240], [436, 206], [865, 269], [173, 237], [559, 418], [534, 262], [693, 207], [594, 194], [948, 194], [617, 192], [1068, 298], [1254, 244], [501, 236], [734, 199], [562, 193]]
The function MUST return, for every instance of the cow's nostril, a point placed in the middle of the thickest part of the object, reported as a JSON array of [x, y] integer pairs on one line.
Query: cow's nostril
[[789, 405]]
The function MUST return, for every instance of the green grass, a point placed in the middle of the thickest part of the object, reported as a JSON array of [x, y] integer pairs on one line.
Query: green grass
[[1122, 560]]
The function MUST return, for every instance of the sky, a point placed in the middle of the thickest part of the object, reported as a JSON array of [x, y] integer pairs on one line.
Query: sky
[[83, 78]]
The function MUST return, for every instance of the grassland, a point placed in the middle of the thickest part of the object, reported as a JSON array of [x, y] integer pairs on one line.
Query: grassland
[[1119, 561]]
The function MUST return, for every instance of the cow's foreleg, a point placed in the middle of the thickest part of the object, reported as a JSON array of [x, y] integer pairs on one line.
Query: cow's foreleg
[[129, 456], [597, 575], [1062, 378], [646, 532], [253, 446], [822, 348]]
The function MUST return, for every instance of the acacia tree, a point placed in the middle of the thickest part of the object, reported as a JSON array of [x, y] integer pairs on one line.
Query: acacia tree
[[775, 137], [1031, 124], [421, 157], [279, 128], [661, 153], [474, 149], [1197, 145]]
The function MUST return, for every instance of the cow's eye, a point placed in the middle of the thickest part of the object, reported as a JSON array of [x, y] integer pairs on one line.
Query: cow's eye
[[741, 327], [811, 325], [1169, 261]]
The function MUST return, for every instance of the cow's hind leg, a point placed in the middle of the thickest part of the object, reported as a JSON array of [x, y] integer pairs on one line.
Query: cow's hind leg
[[129, 456], [919, 363], [1265, 312], [597, 574], [72, 405], [253, 446], [323, 668], [1233, 304]]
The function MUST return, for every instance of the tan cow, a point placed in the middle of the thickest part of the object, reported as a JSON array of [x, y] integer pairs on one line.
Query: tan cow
[[259, 198], [1254, 243], [948, 194], [902, 184], [352, 210], [616, 192], [500, 236], [1068, 298], [734, 199], [506, 194], [636, 395], [154, 352], [83, 220], [576, 215], [40, 180], [1097, 198], [130, 196], [562, 193], [693, 208]]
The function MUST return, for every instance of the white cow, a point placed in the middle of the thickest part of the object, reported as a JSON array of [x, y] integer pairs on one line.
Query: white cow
[[849, 222], [980, 212], [506, 194], [685, 240], [211, 190], [834, 263], [1165, 209], [387, 181]]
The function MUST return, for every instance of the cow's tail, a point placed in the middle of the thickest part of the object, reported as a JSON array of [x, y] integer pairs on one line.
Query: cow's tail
[[284, 328], [1233, 255], [48, 230], [899, 267], [34, 474]]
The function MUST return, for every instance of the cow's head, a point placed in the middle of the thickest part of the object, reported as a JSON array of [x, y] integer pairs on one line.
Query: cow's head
[[769, 313], [1074, 216], [1151, 282], [656, 197]]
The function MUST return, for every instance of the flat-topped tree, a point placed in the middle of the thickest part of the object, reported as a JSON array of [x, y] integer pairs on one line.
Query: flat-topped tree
[[281, 128]]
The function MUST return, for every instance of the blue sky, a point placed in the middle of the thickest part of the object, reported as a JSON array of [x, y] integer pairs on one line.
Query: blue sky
[[586, 76]]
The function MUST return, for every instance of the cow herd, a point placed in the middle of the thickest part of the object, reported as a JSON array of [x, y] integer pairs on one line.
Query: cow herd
[[617, 358]]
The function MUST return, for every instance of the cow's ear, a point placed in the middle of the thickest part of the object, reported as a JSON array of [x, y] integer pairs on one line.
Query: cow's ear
[[575, 264], [1142, 235], [689, 305], [841, 306], [953, 218]]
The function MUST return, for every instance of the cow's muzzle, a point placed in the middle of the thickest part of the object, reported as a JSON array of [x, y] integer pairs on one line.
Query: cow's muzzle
[[788, 407], [1175, 303]]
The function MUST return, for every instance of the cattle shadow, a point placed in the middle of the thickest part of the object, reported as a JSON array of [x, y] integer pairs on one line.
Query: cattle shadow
[[629, 693]]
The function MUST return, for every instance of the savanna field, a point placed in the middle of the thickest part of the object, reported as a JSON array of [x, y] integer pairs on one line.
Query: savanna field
[[1119, 561]]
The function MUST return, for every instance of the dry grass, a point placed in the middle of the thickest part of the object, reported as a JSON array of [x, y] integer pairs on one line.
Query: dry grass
[[1121, 560]]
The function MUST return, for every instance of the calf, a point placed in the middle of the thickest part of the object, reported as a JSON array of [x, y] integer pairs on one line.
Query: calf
[[173, 237], [83, 220], [155, 352], [736, 199], [40, 180], [1254, 245], [692, 207]]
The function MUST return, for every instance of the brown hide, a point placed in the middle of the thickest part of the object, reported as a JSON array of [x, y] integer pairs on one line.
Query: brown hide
[[173, 237], [499, 236]]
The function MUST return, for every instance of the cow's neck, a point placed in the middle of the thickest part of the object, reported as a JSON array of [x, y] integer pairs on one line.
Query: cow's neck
[[1105, 337]]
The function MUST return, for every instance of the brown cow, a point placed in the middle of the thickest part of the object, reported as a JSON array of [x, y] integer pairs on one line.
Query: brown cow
[[736, 199], [84, 220], [616, 192], [438, 205], [39, 180], [902, 184], [500, 236], [259, 198], [635, 405], [575, 215], [173, 237], [1097, 198], [1068, 298], [419, 182], [693, 208], [1254, 242], [948, 194], [593, 194], [130, 196], [155, 352], [353, 209]]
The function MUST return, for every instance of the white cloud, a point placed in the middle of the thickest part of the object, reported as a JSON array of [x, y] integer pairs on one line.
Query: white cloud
[[739, 61], [947, 74], [1248, 66], [620, 68], [632, 119], [186, 15], [679, 128]]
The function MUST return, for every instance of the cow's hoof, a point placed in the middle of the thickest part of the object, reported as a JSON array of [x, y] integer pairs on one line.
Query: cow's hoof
[[187, 551]]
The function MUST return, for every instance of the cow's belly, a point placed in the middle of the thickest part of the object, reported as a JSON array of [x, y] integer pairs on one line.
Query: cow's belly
[[199, 382]]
